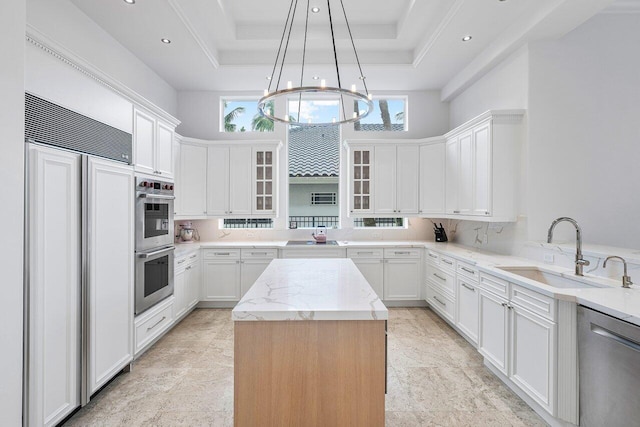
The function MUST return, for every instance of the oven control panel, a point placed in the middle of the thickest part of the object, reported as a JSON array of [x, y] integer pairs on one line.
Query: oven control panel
[[153, 186]]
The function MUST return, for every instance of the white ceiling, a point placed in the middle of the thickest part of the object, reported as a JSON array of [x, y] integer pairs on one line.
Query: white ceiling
[[402, 44]]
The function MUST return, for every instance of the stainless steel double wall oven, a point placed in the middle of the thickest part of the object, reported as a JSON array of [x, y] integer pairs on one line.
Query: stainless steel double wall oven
[[154, 241]]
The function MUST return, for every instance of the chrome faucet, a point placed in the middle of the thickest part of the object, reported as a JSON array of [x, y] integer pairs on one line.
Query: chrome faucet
[[580, 261], [626, 280]]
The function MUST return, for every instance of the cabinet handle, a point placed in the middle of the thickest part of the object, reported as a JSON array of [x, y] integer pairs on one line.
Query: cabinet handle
[[365, 253], [432, 255], [439, 277], [156, 324], [188, 268], [468, 287], [446, 261], [237, 262], [222, 253], [402, 253], [181, 261], [456, 211], [438, 299], [468, 270], [258, 253], [193, 256], [506, 304]]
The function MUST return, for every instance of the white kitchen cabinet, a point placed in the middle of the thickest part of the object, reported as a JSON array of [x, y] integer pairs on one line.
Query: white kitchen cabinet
[[153, 323], [191, 194], [533, 356], [493, 332], [228, 273], [361, 180], [111, 276], [152, 141], [186, 284], [395, 171], [241, 180], [467, 298], [221, 276], [432, 179], [253, 262], [313, 252], [402, 274], [370, 262], [482, 167]]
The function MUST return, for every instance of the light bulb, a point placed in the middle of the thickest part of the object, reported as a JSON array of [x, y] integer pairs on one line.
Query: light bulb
[[333, 120], [266, 92], [323, 83], [286, 118], [355, 114], [370, 96], [289, 85], [353, 88]]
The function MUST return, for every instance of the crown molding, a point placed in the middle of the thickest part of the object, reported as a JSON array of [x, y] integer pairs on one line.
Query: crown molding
[[437, 33], [53, 48], [622, 7]]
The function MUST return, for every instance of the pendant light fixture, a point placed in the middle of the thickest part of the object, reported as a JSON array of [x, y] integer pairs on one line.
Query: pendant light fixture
[[265, 105]]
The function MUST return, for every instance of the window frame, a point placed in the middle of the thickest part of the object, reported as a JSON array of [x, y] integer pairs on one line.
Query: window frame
[[237, 98]]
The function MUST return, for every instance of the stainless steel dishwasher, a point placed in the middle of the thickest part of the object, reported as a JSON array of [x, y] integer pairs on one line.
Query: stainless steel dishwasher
[[609, 354]]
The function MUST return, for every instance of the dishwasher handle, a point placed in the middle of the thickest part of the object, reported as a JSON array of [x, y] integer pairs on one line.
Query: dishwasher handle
[[603, 332]]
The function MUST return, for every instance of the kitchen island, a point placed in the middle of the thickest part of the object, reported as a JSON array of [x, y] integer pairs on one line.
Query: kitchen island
[[310, 347]]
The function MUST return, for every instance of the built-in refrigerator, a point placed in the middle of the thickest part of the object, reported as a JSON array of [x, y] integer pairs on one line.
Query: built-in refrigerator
[[79, 294]]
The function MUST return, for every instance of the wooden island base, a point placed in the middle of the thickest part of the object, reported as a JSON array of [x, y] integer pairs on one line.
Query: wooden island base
[[309, 373]]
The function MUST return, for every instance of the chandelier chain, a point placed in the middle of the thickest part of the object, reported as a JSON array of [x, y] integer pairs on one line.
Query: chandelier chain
[[275, 64]]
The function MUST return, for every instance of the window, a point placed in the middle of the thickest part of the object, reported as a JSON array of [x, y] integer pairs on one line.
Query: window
[[379, 222], [314, 164], [247, 223], [324, 198], [387, 115], [243, 116]]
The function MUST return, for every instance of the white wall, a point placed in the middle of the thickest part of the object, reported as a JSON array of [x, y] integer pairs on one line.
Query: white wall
[[584, 132], [63, 22], [12, 28]]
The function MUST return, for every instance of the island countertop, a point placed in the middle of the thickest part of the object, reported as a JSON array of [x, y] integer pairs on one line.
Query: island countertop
[[310, 289]]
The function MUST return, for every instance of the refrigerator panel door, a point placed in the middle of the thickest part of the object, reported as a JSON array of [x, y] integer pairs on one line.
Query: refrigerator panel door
[[53, 334], [110, 225]]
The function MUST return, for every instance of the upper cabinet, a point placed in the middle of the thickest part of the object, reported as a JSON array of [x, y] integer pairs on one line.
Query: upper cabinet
[[383, 178], [482, 160], [218, 179], [153, 145], [432, 178]]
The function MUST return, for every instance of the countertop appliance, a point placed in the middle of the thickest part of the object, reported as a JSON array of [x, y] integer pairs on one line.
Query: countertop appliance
[[154, 242], [609, 355], [320, 235], [188, 233], [79, 259]]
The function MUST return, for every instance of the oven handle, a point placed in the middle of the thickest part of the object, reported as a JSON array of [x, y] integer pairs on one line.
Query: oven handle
[[156, 196], [158, 252]]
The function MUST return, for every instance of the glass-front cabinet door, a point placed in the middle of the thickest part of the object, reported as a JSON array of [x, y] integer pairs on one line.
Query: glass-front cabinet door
[[361, 200], [264, 181]]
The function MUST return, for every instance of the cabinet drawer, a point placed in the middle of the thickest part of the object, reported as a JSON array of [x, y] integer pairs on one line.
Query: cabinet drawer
[[534, 302], [192, 258], [259, 253], [448, 263], [402, 253], [180, 263], [467, 270], [365, 253], [433, 257], [221, 254], [153, 323], [441, 280], [313, 252], [441, 303], [494, 284]]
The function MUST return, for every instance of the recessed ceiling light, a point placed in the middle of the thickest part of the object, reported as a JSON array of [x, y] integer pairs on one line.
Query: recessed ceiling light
[[466, 38], [165, 41], [268, 77], [129, 1], [315, 9], [316, 77]]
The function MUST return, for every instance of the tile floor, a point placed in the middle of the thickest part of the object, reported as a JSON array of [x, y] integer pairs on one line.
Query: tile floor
[[186, 379]]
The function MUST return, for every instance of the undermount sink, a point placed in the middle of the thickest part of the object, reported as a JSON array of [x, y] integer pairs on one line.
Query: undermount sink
[[547, 277], [311, 243]]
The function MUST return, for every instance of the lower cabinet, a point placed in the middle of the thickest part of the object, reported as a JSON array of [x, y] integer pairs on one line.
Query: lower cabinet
[[373, 270], [186, 287], [520, 343], [154, 322], [229, 273], [467, 298], [493, 339], [402, 274]]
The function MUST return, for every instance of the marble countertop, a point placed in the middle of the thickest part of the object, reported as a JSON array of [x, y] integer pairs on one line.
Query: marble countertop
[[310, 289]]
